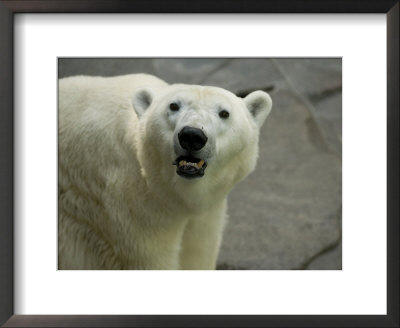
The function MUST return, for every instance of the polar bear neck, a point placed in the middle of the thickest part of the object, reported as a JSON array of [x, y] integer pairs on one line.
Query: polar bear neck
[[177, 193]]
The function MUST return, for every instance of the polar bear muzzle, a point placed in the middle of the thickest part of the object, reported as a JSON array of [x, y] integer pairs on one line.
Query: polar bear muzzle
[[191, 140]]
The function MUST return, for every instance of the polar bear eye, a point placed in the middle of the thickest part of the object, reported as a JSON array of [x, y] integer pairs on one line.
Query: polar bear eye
[[224, 114], [174, 106]]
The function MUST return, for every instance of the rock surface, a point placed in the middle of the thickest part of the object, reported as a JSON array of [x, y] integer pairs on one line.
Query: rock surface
[[287, 214]]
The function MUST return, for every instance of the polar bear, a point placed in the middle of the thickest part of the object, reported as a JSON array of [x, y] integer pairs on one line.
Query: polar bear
[[145, 168]]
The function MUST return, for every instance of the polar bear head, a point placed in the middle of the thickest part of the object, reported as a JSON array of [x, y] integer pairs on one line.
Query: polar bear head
[[207, 133]]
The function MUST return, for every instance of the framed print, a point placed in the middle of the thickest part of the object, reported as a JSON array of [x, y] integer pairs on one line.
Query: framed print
[[280, 262]]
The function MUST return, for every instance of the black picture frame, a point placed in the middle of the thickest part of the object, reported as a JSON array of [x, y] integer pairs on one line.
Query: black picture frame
[[10, 7]]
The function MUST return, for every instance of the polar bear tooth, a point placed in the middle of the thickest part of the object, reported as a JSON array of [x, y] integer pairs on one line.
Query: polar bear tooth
[[200, 164]]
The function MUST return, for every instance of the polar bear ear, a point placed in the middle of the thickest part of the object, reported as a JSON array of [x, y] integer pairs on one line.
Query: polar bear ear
[[141, 100], [259, 104]]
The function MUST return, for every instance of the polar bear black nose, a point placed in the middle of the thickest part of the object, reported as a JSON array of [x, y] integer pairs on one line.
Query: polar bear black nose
[[192, 138]]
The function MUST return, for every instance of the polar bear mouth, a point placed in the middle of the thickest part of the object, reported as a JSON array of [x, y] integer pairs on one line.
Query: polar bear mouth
[[190, 167]]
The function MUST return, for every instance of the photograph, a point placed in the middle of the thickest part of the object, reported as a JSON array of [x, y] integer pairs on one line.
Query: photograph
[[199, 163]]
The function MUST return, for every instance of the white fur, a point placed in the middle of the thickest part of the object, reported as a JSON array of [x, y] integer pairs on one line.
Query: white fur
[[121, 203]]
